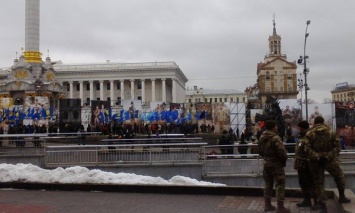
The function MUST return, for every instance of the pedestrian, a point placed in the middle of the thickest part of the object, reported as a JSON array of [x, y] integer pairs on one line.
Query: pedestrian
[[323, 150], [301, 165], [223, 142], [243, 148], [272, 150]]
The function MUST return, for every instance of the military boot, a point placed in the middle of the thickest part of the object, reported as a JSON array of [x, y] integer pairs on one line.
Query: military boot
[[305, 203], [268, 207], [281, 208], [323, 208], [315, 206], [342, 198]]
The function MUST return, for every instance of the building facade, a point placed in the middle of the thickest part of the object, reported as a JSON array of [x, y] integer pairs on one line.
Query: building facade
[[115, 82], [200, 95], [276, 76], [343, 92]]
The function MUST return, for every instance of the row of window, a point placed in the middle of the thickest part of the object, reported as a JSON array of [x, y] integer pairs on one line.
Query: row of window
[[216, 100], [118, 100], [108, 86], [289, 74], [344, 96]]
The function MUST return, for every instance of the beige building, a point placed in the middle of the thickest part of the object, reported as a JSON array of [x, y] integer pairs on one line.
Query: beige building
[[276, 76], [198, 95], [343, 92]]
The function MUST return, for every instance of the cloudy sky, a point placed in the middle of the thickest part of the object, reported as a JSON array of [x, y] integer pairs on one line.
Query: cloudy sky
[[216, 43]]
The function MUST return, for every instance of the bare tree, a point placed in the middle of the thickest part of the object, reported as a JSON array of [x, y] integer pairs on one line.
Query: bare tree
[[327, 101], [310, 101]]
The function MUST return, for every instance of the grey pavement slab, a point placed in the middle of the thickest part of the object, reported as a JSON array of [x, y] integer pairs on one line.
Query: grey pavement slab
[[42, 201]]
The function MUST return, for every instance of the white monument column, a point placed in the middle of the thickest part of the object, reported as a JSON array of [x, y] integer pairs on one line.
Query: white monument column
[[111, 93], [174, 91], [81, 92], [91, 91], [143, 90], [122, 90], [163, 82], [153, 89], [132, 89], [102, 90], [32, 27], [71, 89]]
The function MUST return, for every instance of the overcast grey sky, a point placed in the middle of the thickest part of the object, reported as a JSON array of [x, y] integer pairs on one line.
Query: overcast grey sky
[[216, 43]]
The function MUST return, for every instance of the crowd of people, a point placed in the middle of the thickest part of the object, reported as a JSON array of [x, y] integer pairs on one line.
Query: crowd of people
[[316, 151]]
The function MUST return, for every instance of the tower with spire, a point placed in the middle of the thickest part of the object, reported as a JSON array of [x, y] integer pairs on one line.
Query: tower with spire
[[276, 76]]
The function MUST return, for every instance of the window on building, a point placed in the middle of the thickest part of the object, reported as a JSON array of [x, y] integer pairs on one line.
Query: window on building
[[206, 100], [267, 75], [98, 86], [210, 100], [237, 99], [88, 101], [78, 87], [118, 102], [139, 85], [289, 75], [281, 89], [215, 100], [118, 85], [68, 88], [87, 86], [220, 99], [97, 99], [225, 99], [231, 99], [108, 99], [108, 86], [139, 97], [243, 99]]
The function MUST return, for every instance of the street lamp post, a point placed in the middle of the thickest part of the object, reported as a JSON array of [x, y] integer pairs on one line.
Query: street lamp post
[[300, 87], [305, 69]]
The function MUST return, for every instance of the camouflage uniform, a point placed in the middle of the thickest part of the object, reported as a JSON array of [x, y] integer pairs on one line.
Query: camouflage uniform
[[302, 166], [323, 150], [274, 153]]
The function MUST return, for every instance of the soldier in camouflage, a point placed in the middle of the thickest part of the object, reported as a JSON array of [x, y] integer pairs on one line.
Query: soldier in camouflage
[[272, 150], [323, 149], [301, 165]]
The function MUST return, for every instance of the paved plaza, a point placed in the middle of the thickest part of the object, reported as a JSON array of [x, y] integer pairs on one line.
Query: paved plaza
[[41, 201]]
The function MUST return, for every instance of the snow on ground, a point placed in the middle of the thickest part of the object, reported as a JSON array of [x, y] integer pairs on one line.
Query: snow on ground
[[77, 174]]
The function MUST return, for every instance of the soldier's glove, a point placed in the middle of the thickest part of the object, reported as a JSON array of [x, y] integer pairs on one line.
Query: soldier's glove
[[314, 157], [328, 156]]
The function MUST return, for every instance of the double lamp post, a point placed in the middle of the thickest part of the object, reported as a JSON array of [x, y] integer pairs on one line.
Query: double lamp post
[[303, 60]]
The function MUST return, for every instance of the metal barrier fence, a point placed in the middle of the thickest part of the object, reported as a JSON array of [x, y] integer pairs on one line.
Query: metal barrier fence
[[124, 154], [251, 164], [153, 140], [21, 146], [58, 150]]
